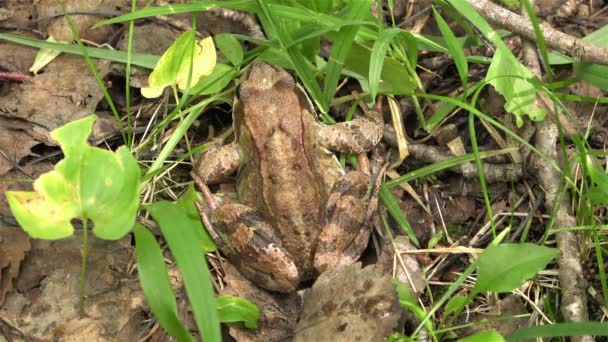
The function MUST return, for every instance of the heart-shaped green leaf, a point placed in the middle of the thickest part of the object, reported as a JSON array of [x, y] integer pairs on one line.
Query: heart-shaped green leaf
[[89, 183]]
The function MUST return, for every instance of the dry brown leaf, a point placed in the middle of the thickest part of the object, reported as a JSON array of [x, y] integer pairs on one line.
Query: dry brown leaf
[[14, 244]]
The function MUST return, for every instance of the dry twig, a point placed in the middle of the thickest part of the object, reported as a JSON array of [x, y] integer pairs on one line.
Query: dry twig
[[577, 48], [572, 282]]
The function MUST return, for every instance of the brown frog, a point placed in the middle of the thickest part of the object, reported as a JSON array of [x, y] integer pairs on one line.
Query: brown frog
[[298, 213]]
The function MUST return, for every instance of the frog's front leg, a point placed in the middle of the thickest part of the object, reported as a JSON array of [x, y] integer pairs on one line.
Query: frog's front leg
[[217, 163], [359, 135], [249, 242], [346, 231]]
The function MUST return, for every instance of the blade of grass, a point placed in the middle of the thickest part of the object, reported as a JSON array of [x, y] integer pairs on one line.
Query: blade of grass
[[540, 39], [393, 208], [341, 48], [128, 74], [139, 59], [242, 5], [376, 61], [444, 164], [301, 65], [178, 222], [454, 49], [155, 283], [93, 69], [480, 173], [560, 330]]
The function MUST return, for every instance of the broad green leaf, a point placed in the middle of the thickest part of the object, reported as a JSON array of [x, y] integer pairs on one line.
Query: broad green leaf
[[484, 336], [89, 183], [395, 80], [508, 76], [597, 37], [230, 47], [182, 231], [592, 73], [504, 267], [237, 309], [45, 56], [155, 283], [216, 81], [173, 67]]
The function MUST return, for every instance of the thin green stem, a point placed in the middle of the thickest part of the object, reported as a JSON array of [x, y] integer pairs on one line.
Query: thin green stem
[[83, 266]]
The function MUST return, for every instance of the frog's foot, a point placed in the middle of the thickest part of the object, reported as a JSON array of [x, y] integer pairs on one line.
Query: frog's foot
[[345, 218], [252, 245]]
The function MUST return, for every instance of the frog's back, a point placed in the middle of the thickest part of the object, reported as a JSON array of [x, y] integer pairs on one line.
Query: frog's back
[[278, 173]]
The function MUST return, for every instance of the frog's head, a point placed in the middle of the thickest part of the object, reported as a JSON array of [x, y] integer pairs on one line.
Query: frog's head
[[261, 77]]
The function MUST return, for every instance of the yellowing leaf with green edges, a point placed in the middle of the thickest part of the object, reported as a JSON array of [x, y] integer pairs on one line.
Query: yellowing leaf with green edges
[[174, 65], [89, 182]]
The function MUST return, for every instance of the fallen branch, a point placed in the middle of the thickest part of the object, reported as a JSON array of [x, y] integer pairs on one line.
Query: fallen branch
[[432, 154], [572, 282], [577, 48]]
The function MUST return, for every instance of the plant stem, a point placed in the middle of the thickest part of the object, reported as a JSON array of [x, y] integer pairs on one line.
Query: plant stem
[[83, 266]]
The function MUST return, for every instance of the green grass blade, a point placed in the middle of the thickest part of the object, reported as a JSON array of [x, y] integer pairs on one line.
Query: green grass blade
[[444, 164], [242, 5], [393, 208], [180, 132], [376, 61], [540, 39], [139, 59], [98, 79], [454, 47], [178, 222], [155, 284], [341, 48], [560, 330], [302, 67]]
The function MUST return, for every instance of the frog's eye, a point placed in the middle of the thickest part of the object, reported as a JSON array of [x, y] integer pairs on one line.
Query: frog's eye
[[244, 91], [285, 83]]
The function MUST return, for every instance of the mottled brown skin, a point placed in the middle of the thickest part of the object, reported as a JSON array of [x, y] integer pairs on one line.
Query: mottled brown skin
[[285, 178]]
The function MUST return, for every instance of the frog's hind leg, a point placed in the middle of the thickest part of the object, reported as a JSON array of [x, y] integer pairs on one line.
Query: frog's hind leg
[[253, 247], [345, 214], [249, 242], [350, 210]]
